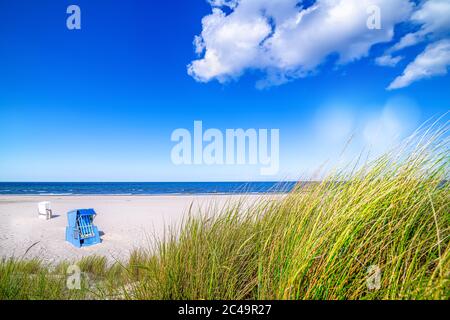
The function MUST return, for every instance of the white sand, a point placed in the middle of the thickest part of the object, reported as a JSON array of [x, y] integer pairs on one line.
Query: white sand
[[125, 222]]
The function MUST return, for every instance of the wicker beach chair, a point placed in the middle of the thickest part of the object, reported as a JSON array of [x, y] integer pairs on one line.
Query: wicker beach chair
[[44, 210], [81, 230]]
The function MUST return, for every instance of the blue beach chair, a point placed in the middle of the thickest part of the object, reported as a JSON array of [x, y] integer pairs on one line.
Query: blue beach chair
[[81, 231]]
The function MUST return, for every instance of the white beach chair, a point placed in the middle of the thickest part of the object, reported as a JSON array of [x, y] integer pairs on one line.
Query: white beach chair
[[44, 210]]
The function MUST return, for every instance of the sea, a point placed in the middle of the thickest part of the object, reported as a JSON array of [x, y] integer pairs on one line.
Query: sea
[[142, 188]]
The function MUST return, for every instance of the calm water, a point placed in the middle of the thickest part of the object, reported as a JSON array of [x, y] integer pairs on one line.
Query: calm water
[[140, 188]]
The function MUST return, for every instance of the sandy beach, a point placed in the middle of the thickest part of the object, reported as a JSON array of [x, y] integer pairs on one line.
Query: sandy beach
[[125, 222]]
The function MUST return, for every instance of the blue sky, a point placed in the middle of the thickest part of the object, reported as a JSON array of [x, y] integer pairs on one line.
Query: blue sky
[[100, 103]]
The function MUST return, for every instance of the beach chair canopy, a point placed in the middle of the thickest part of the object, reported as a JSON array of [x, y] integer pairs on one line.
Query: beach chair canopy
[[86, 212]]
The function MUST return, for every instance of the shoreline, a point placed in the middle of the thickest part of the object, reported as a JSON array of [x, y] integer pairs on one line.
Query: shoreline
[[140, 194]]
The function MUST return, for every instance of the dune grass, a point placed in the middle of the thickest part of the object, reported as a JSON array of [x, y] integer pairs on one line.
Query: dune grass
[[377, 232]]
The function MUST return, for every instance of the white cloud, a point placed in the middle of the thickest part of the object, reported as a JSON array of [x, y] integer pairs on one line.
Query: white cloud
[[433, 17], [435, 60], [388, 60], [285, 40], [223, 3], [229, 43], [408, 40]]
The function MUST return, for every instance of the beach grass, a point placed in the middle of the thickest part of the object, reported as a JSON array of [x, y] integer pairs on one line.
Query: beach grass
[[376, 230]]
